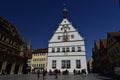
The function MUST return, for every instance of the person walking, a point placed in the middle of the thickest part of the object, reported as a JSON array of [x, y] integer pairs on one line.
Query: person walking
[[44, 73], [56, 72], [38, 74], [74, 71]]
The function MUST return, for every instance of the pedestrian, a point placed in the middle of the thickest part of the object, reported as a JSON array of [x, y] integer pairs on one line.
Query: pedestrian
[[78, 71], [38, 74], [3, 72], [56, 72], [59, 72], [74, 71], [44, 73]]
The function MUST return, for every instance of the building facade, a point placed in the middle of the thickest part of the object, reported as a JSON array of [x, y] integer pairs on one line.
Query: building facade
[[106, 53], [104, 56], [28, 56], [96, 57], [100, 56], [90, 65], [113, 49], [39, 59], [11, 48], [66, 48]]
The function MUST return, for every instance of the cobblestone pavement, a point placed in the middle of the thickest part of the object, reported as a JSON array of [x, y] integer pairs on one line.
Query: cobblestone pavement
[[99, 77], [48, 77], [61, 77]]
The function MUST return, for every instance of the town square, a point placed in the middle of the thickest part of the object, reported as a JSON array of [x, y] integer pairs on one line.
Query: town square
[[60, 40]]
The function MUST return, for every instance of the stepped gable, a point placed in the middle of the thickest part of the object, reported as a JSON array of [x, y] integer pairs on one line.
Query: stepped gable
[[104, 41], [97, 44]]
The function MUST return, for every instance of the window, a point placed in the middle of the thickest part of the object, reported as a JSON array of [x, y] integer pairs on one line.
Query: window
[[72, 36], [65, 64], [58, 37], [39, 65], [69, 28], [58, 49], [43, 65], [5, 39], [68, 63], [54, 64], [63, 49], [53, 49], [79, 49], [73, 49], [78, 64], [67, 49], [117, 49], [2, 38]]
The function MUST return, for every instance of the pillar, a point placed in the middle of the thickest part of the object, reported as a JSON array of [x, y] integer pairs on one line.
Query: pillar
[[12, 68], [4, 65], [20, 69], [1, 67]]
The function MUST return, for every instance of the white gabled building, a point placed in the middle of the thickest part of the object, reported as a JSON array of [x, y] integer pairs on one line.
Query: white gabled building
[[66, 49]]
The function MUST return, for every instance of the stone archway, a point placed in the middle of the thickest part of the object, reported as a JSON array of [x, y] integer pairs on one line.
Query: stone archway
[[1, 63], [16, 69], [8, 68]]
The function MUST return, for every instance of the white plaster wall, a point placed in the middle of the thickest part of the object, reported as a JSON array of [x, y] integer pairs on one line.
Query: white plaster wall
[[75, 43], [71, 58], [76, 37], [67, 53]]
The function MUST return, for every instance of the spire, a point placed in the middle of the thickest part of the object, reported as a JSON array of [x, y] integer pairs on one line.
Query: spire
[[65, 12]]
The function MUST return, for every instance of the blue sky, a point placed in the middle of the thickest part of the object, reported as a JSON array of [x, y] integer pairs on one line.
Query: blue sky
[[38, 19]]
